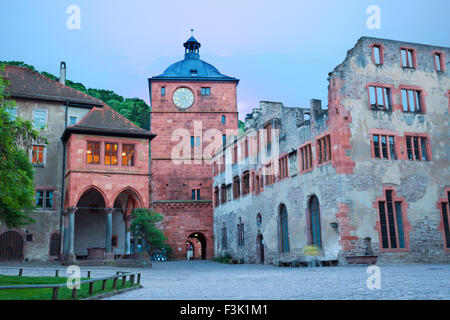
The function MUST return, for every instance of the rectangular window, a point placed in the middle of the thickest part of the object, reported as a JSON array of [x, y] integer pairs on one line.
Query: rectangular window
[[224, 140], [407, 58], [44, 199], [197, 141], [224, 120], [38, 155], [39, 119], [283, 167], [192, 141], [93, 153], [246, 183], [380, 98], [411, 100], [193, 194], [377, 55], [384, 147], [417, 148], [268, 132], [391, 223], [72, 121], [236, 187], [223, 194], [111, 154], [206, 91], [438, 62], [128, 154], [306, 155], [163, 91], [324, 149], [235, 154]]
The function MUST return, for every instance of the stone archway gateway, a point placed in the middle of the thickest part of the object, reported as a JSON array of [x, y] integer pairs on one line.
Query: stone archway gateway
[[200, 239], [11, 246]]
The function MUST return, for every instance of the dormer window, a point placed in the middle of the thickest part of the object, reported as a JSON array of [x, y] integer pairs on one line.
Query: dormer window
[[193, 72]]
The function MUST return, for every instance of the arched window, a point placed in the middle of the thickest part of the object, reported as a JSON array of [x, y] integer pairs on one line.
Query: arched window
[[258, 220], [283, 229], [314, 221]]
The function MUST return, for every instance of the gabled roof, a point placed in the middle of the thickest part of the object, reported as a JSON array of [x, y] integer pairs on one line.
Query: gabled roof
[[25, 83], [106, 121]]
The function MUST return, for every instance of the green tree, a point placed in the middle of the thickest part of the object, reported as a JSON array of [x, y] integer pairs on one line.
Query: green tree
[[16, 172], [143, 225]]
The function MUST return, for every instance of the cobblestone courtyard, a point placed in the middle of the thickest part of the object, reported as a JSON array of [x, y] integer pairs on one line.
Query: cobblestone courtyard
[[213, 281]]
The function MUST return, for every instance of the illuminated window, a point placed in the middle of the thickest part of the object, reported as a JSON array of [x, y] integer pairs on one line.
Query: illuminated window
[[128, 154], [111, 154], [93, 153], [38, 155]]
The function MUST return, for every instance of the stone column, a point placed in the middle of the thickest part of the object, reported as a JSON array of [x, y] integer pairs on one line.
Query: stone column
[[71, 234], [127, 234], [65, 233], [109, 212]]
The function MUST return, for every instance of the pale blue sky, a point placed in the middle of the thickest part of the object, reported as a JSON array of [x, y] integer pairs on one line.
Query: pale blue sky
[[280, 50]]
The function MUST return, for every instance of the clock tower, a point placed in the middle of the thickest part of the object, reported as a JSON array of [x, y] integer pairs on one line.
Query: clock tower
[[189, 101]]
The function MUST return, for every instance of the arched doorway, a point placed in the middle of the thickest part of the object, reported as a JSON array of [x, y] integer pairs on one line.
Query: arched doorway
[[314, 222], [11, 246], [260, 248], [124, 204], [201, 242], [90, 223]]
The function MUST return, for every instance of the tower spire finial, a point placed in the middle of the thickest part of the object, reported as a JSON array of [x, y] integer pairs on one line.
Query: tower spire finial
[[192, 32]]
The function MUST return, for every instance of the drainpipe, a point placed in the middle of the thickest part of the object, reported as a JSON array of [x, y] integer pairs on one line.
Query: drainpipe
[[62, 185]]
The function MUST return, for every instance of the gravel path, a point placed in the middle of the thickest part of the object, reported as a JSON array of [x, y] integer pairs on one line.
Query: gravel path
[[199, 280]]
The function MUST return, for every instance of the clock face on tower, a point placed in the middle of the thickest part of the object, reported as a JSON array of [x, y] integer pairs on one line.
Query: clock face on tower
[[183, 98]]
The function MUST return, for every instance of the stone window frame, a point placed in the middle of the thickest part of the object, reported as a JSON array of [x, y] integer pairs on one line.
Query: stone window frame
[[43, 152], [223, 194], [386, 133], [309, 222], [427, 145], [305, 153], [409, 64], [421, 103], [245, 183], [442, 64], [445, 233], [405, 222], [283, 166], [118, 152], [322, 141], [236, 187], [100, 143], [224, 240], [133, 154], [389, 94], [46, 190], [283, 230], [46, 119], [381, 49], [216, 196]]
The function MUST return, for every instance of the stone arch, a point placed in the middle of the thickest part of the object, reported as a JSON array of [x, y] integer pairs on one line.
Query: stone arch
[[313, 221], [88, 189], [131, 191]]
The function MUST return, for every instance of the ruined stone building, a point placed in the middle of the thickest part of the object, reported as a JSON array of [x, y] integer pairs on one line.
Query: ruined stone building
[[88, 178], [188, 101], [367, 176]]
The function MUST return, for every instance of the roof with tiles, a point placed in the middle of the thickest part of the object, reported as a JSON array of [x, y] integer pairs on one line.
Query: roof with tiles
[[106, 121], [25, 83]]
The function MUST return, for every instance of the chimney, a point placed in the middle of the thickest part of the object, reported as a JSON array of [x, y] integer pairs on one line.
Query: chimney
[[62, 73], [315, 109]]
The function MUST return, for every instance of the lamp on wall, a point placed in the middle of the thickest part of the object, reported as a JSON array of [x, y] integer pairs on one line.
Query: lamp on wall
[[334, 225]]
